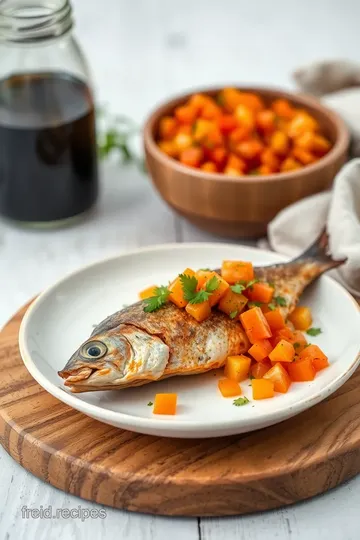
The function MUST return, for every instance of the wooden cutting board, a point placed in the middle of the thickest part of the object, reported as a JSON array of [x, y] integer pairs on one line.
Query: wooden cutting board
[[299, 458]]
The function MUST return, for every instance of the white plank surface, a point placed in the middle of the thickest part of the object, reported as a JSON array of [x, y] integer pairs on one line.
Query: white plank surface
[[140, 52]]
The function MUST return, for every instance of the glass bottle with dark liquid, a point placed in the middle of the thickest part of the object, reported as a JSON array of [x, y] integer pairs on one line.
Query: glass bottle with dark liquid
[[48, 158]]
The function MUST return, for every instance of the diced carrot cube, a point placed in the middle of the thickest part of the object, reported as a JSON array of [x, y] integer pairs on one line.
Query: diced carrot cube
[[185, 114], [148, 292], [232, 303], [198, 101], [262, 389], [201, 129], [192, 157], [266, 121], [165, 404], [303, 156], [250, 149], [235, 162], [234, 271], [275, 319], [245, 116], [227, 123], [279, 143], [282, 108], [237, 367], [302, 370], [182, 141], [301, 318], [319, 359], [211, 111], [167, 128], [202, 276], [280, 377], [169, 148], [321, 145], [218, 156], [229, 388], [176, 291], [209, 167], [290, 164], [299, 341], [255, 324], [301, 123], [260, 349], [283, 333], [260, 292], [259, 369], [268, 157], [200, 312], [283, 352], [220, 291]]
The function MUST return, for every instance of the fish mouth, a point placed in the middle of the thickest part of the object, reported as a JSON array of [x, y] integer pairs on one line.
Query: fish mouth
[[80, 375]]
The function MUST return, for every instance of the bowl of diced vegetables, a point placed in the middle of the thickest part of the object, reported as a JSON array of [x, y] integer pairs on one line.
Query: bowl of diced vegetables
[[229, 159]]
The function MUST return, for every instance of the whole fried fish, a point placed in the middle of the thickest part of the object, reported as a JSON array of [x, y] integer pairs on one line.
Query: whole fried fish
[[132, 347]]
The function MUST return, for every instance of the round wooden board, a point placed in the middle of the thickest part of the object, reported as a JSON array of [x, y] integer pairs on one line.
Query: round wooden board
[[291, 461]]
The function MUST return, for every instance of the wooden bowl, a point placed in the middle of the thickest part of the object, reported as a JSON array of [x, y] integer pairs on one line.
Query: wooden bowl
[[242, 206]]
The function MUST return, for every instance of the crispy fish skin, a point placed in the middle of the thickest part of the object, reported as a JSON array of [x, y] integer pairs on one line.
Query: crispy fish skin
[[181, 346], [143, 347]]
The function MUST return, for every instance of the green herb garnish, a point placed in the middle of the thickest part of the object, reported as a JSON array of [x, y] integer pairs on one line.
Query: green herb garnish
[[314, 331], [280, 301], [255, 304], [233, 314], [150, 404], [296, 345], [240, 401], [271, 307], [238, 288], [205, 269], [189, 286], [251, 283], [158, 300]]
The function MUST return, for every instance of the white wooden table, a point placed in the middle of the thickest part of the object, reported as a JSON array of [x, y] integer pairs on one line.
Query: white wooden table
[[140, 52]]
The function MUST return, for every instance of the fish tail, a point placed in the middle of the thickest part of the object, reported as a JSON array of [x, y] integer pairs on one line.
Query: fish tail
[[319, 251]]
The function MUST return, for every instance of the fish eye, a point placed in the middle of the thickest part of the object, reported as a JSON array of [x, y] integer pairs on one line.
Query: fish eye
[[93, 349]]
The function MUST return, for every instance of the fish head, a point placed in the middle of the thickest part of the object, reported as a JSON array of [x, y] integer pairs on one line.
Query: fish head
[[114, 359]]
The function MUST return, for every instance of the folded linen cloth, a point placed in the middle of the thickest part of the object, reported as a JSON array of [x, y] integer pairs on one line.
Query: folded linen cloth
[[337, 83]]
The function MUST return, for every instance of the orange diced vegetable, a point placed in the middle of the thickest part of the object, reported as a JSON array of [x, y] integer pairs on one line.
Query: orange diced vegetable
[[320, 145], [275, 319], [227, 123], [165, 404], [264, 170], [220, 291], [192, 156], [234, 162], [299, 341], [238, 135], [237, 367], [306, 141], [279, 143], [260, 349], [176, 291], [198, 101], [185, 114], [213, 138], [234, 271], [232, 303], [283, 352], [230, 98], [209, 167], [251, 101], [302, 370], [259, 369], [182, 141], [282, 108], [260, 292], [218, 156], [266, 121], [290, 164], [167, 127], [211, 111], [280, 377], [201, 129], [200, 312], [245, 117], [268, 157], [148, 292], [202, 276], [250, 149], [319, 359], [169, 147], [301, 123], [301, 318], [229, 388], [231, 171], [255, 324], [303, 156], [262, 389]]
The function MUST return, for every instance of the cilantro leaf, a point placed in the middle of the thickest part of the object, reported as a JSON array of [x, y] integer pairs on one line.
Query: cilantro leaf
[[150, 404], [314, 331], [255, 304], [271, 307], [280, 301], [238, 288], [212, 284], [205, 269], [199, 297], [233, 314], [189, 284], [251, 283], [240, 401], [161, 295]]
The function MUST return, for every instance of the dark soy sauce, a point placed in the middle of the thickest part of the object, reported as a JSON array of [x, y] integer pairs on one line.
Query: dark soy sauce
[[48, 159]]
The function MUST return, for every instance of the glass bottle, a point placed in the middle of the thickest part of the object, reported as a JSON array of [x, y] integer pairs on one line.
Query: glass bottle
[[48, 155]]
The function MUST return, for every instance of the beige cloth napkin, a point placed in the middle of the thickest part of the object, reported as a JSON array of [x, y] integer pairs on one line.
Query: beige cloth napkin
[[295, 227]]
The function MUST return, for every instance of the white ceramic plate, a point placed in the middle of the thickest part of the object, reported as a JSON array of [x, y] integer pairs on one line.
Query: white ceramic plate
[[63, 317]]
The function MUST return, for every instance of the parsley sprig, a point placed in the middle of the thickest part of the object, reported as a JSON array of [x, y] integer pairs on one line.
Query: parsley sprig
[[241, 286], [240, 401], [314, 331], [191, 294], [161, 295]]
